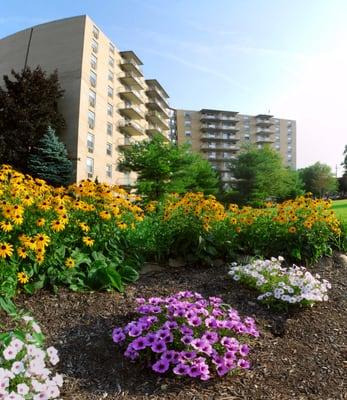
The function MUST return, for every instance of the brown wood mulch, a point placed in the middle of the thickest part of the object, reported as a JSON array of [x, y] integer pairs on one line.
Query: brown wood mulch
[[301, 355]]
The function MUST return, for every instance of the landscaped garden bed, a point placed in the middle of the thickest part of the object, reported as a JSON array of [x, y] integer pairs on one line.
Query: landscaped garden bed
[[300, 354]]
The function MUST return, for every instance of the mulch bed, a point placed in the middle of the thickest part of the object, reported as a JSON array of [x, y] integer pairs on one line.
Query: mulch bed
[[301, 355]]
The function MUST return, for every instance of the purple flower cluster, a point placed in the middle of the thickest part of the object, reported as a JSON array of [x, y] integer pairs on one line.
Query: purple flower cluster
[[193, 336]]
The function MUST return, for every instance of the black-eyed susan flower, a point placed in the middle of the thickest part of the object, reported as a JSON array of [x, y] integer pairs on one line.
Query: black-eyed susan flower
[[106, 215], [88, 241], [40, 222], [84, 227], [57, 225], [6, 226], [42, 240], [70, 262], [6, 250], [292, 229], [22, 253], [23, 278]]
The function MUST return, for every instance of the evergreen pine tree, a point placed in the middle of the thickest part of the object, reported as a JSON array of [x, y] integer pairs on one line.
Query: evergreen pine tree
[[49, 160]]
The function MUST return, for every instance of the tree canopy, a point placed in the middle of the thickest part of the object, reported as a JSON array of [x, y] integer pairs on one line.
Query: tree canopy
[[260, 175], [164, 167], [28, 105], [49, 160], [318, 179]]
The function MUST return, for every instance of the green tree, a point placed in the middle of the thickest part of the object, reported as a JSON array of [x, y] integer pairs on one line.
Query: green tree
[[344, 162], [28, 105], [260, 175], [49, 160], [163, 167], [318, 179]]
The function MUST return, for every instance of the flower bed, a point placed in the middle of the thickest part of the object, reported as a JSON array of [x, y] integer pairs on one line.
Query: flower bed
[[280, 285], [24, 372], [189, 335]]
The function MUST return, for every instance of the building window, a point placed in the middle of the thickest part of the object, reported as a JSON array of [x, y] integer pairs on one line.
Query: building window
[[110, 110], [91, 119], [109, 128], [225, 155], [246, 126], [111, 61], [289, 124], [92, 78], [212, 154], [90, 142], [212, 145], [187, 122], [277, 138], [93, 61], [95, 46], [187, 115], [109, 149], [111, 46], [95, 32], [277, 146], [92, 98], [110, 91], [247, 137], [246, 118], [109, 170], [188, 133], [110, 76], [90, 166]]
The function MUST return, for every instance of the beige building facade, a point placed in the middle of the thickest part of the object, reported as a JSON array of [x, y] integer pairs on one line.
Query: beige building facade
[[107, 104], [219, 135]]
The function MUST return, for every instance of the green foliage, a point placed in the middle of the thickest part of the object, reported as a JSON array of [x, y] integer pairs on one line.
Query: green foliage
[[28, 104], [318, 179], [163, 167], [49, 160], [260, 176]]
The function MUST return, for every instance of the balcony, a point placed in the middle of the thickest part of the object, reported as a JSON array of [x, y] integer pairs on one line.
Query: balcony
[[264, 139], [157, 106], [263, 120], [219, 117], [155, 86], [131, 111], [219, 147], [131, 63], [131, 96], [156, 95], [157, 130], [157, 118], [264, 131], [208, 138], [131, 128], [126, 142], [129, 79], [223, 128]]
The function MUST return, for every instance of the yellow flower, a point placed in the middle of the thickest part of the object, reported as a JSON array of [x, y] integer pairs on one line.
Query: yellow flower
[[40, 222], [105, 215], [17, 219], [122, 225], [42, 240], [22, 277], [57, 225], [40, 258], [88, 241], [292, 229], [84, 227], [6, 226], [70, 262], [6, 249], [21, 252]]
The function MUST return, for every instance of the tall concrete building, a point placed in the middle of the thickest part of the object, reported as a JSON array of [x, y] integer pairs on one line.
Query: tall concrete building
[[107, 102], [218, 135]]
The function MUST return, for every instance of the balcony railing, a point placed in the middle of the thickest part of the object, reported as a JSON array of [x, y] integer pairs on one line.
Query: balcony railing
[[218, 117], [157, 118], [133, 96], [219, 138], [154, 104], [131, 128], [129, 65], [153, 91], [131, 111], [129, 79], [217, 127]]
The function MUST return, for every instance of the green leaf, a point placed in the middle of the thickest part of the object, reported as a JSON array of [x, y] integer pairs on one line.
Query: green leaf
[[8, 306], [128, 273]]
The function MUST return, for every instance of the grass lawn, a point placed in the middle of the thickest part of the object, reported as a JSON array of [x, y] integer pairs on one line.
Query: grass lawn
[[340, 208]]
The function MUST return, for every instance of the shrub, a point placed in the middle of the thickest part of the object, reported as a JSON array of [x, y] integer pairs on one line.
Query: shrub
[[280, 286], [189, 335], [24, 374]]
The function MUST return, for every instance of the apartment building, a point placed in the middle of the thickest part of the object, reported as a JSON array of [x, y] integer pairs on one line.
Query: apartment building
[[218, 135], [107, 102]]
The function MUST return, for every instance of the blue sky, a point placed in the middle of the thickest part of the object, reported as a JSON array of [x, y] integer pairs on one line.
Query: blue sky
[[287, 57]]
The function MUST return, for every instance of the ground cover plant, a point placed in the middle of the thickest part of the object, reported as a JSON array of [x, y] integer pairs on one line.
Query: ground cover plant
[[281, 286], [25, 372], [188, 335]]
